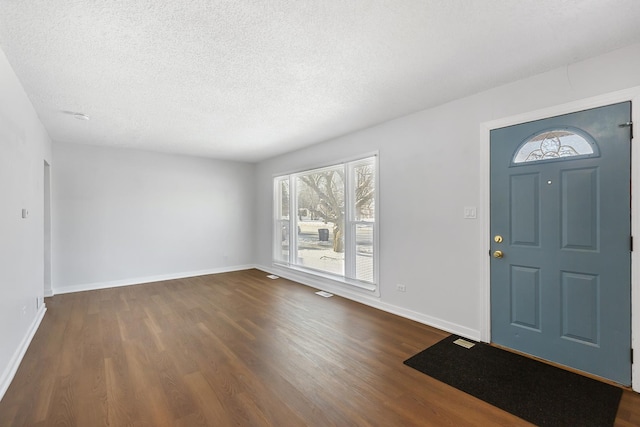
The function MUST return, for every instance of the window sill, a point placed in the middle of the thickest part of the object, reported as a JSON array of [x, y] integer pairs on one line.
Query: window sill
[[338, 280]]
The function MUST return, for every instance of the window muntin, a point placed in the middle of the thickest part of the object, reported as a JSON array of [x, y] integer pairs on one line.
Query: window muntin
[[330, 227], [555, 144]]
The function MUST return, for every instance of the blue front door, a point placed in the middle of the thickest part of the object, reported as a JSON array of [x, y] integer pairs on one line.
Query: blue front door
[[560, 239]]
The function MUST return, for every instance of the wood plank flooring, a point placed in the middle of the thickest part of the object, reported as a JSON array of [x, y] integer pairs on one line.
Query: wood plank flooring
[[234, 349]]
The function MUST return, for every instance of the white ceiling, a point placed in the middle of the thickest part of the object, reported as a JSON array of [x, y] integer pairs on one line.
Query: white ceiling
[[250, 79]]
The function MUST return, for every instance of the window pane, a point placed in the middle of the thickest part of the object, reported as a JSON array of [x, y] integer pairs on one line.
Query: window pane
[[284, 199], [365, 191], [282, 236], [320, 210], [363, 200], [325, 221], [553, 145], [281, 231], [364, 252]]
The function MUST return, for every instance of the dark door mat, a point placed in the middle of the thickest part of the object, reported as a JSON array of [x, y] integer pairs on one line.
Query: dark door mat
[[532, 390]]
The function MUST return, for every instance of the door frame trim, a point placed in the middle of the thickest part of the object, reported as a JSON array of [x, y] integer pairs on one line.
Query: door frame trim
[[631, 94]]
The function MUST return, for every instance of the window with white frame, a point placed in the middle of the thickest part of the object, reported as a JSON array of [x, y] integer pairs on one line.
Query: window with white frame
[[325, 221]]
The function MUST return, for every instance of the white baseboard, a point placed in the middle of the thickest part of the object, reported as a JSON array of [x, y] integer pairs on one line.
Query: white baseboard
[[48, 293], [368, 299], [148, 279], [14, 363], [361, 296]]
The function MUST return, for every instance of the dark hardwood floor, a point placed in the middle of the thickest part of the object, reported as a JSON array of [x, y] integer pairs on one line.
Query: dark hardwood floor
[[234, 349]]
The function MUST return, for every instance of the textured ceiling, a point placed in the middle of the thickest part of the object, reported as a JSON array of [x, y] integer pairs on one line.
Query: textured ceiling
[[247, 80]]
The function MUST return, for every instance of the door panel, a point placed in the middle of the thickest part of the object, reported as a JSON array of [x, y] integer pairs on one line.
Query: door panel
[[580, 312], [561, 203], [525, 297], [580, 209], [524, 210]]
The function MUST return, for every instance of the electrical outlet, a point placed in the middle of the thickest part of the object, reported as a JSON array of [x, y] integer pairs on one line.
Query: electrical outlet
[[401, 288]]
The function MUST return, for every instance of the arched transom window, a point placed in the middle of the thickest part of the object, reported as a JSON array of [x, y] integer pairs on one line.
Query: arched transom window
[[555, 144]]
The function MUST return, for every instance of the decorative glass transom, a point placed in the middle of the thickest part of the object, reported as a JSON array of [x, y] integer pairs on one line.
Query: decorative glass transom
[[554, 144]]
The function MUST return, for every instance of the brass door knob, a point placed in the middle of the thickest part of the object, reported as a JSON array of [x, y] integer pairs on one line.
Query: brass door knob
[[498, 254]]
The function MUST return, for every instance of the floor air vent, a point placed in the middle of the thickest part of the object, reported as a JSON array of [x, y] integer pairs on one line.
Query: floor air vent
[[463, 343], [324, 294]]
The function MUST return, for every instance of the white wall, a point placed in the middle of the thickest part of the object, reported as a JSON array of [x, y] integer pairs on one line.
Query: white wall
[[123, 216], [429, 171], [24, 146]]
